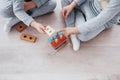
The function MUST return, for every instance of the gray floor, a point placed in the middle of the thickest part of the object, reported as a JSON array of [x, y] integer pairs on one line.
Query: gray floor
[[98, 59]]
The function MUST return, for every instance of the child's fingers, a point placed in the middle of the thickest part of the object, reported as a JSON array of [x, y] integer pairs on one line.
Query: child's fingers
[[63, 30], [66, 35], [43, 27], [67, 14], [64, 13], [41, 31]]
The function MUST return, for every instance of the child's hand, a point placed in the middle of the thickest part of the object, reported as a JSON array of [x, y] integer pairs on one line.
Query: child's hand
[[66, 11], [69, 31], [39, 27]]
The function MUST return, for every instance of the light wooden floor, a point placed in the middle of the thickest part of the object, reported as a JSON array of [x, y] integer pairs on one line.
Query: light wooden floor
[[98, 59]]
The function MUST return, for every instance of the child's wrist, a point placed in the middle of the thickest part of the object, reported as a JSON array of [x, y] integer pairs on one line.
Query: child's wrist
[[33, 23], [73, 4], [76, 31]]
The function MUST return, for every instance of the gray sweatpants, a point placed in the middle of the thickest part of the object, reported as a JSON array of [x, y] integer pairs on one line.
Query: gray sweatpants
[[81, 14], [44, 9]]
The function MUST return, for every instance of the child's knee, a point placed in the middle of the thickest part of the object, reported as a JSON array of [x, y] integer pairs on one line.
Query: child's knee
[[6, 13], [2, 12], [83, 37]]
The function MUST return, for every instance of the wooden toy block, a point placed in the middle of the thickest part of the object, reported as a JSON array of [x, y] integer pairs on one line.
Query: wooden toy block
[[57, 40], [20, 27], [50, 31], [28, 37]]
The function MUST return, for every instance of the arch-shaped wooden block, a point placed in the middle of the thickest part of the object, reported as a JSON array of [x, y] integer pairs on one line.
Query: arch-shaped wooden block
[[28, 37]]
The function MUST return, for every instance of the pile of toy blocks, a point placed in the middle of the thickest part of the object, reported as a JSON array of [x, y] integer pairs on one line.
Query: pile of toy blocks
[[56, 39]]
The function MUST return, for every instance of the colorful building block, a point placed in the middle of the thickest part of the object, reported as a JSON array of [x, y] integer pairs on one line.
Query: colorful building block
[[28, 37], [57, 40], [20, 27]]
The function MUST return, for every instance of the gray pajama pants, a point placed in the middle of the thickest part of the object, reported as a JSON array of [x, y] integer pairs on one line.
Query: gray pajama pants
[[44, 9], [82, 14]]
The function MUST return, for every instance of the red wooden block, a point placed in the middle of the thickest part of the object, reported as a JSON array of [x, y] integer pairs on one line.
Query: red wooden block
[[60, 41], [57, 41], [54, 44], [62, 37]]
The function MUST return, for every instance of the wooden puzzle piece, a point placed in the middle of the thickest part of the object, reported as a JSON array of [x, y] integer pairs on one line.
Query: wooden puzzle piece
[[49, 30], [57, 40], [28, 37], [20, 27]]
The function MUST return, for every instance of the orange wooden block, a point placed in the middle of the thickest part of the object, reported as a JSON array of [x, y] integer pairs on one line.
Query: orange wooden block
[[20, 27], [28, 37], [54, 44]]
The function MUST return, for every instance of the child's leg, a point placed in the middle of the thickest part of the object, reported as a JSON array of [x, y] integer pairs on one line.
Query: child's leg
[[44, 9], [89, 14], [70, 22], [7, 13], [78, 20], [12, 20]]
